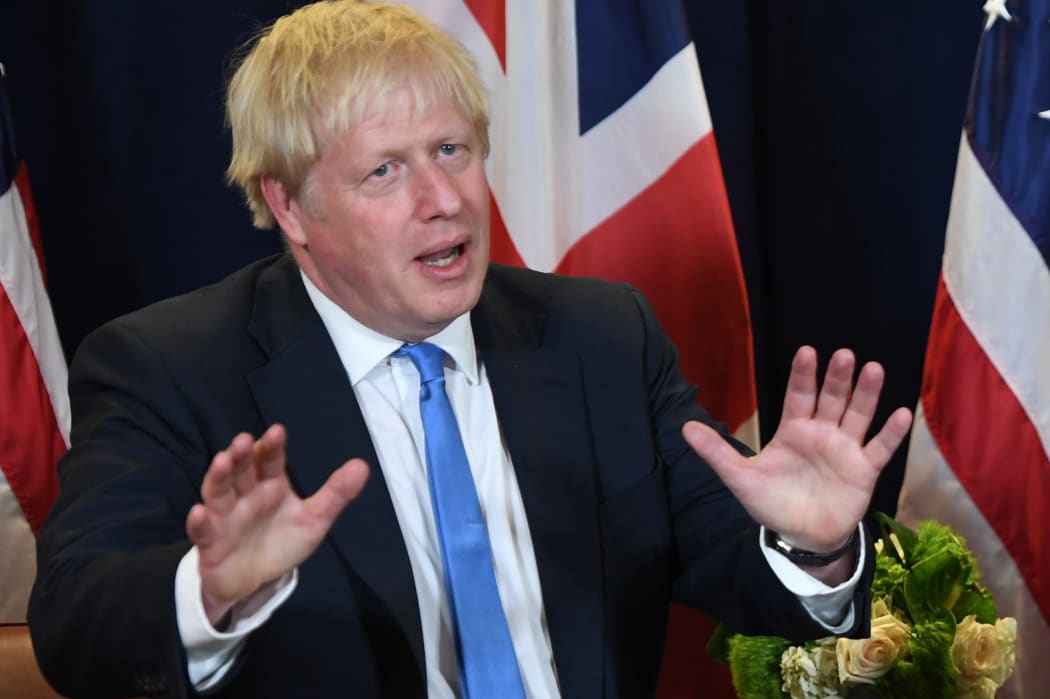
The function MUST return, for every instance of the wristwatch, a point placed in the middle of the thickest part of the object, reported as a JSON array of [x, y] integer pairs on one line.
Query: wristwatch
[[809, 559]]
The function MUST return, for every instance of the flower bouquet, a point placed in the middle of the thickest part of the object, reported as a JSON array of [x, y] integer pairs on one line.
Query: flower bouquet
[[935, 633]]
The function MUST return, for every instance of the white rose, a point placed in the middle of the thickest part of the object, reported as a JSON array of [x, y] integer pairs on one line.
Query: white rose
[[865, 660], [983, 688], [984, 655]]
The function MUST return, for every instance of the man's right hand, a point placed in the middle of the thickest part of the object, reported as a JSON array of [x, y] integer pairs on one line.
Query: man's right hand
[[251, 527]]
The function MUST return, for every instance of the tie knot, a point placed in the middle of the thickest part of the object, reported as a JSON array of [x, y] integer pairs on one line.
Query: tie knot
[[429, 360]]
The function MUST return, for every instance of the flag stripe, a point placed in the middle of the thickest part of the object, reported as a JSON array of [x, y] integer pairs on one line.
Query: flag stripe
[[501, 245], [463, 21], [31, 441], [29, 211], [1001, 288], [492, 18], [35, 412], [534, 169], [978, 422], [22, 277]]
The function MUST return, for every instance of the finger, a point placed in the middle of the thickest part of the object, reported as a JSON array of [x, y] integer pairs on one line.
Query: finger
[[241, 451], [199, 527], [881, 447], [345, 484], [835, 392], [801, 397], [710, 446], [217, 488], [865, 398], [270, 452]]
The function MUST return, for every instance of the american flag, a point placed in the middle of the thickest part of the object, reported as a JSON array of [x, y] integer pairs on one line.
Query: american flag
[[34, 408], [980, 449], [604, 164]]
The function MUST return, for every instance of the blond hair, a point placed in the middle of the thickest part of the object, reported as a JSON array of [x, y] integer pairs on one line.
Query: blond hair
[[309, 78]]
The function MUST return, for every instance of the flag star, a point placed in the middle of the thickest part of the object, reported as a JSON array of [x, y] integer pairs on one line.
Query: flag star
[[995, 9], [1044, 114]]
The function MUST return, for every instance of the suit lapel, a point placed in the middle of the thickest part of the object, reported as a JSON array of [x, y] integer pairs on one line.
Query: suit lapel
[[539, 401], [304, 387]]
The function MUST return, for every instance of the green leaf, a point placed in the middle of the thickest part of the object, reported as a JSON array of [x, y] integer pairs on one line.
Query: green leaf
[[974, 602], [934, 581], [907, 538], [718, 644]]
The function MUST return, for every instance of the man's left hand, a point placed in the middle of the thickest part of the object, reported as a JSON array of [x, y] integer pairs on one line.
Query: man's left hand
[[813, 482]]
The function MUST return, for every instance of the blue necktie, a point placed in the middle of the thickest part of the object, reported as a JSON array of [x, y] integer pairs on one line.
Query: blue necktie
[[488, 668]]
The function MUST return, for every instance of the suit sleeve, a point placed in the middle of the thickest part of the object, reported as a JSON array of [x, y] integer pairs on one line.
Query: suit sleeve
[[722, 570], [102, 612]]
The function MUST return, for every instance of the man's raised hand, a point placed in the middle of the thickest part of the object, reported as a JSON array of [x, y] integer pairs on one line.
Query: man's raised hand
[[813, 482], [251, 527]]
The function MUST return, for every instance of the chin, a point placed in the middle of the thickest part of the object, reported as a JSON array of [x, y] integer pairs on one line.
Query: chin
[[461, 301]]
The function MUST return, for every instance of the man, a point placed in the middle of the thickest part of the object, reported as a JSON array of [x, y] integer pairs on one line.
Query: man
[[362, 131]]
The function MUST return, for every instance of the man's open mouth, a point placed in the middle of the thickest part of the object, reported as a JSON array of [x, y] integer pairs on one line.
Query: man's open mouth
[[443, 258]]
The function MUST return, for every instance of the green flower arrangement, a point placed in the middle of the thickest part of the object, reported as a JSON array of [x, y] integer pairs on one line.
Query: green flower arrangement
[[935, 633]]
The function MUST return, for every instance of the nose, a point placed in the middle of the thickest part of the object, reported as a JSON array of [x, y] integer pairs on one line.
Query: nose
[[436, 193]]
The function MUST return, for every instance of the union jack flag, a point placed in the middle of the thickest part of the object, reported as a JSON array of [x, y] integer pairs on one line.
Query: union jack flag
[[604, 164], [980, 449]]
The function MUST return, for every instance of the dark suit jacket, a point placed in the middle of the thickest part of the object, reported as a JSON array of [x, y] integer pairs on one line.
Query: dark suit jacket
[[622, 513]]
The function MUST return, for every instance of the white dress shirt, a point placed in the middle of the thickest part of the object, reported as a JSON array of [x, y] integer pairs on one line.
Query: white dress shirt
[[387, 389]]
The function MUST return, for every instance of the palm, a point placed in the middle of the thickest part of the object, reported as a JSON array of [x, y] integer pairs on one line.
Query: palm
[[819, 481]]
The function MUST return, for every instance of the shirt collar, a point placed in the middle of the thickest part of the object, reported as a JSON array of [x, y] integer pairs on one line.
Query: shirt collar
[[362, 349]]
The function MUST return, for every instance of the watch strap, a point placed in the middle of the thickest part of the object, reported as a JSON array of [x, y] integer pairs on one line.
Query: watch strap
[[809, 559]]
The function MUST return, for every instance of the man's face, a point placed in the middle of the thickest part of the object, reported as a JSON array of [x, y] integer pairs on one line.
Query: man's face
[[392, 224]]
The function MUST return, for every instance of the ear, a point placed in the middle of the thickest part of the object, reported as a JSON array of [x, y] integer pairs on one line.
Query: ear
[[285, 209]]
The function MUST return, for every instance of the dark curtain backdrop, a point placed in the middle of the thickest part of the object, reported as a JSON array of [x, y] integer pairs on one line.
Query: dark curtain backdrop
[[838, 125]]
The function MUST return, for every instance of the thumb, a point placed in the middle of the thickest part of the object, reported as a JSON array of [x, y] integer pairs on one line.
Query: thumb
[[716, 451], [344, 485]]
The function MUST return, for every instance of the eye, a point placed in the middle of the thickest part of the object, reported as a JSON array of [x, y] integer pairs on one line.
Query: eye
[[381, 171], [449, 148]]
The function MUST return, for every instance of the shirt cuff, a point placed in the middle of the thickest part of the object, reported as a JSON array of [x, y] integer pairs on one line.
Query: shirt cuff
[[210, 653], [831, 607]]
